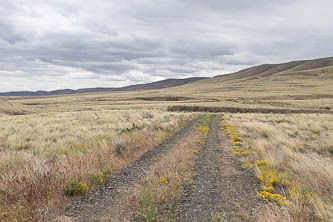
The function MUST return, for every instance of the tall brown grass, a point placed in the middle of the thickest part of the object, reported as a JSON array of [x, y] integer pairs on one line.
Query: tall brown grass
[[40, 153]]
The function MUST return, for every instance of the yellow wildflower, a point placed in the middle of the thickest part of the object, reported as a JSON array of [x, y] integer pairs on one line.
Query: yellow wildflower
[[163, 180], [261, 162], [271, 180], [292, 191], [202, 128], [236, 143], [246, 163], [267, 188], [84, 187], [245, 153], [236, 153], [272, 197]]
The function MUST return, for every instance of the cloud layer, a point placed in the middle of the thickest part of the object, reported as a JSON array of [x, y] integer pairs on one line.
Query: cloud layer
[[56, 44]]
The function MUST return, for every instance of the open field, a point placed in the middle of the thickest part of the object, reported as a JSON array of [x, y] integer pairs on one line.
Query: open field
[[56, 152], [41, 152]]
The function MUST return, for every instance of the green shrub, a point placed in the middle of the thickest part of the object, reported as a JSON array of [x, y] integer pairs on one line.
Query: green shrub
[[22, 147], [75, 187], [119, 145], [107, 170], [93, 177], [148, 208], [330, 149], [316, 131]]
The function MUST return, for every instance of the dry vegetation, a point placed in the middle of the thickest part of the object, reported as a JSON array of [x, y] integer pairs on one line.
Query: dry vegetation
[[293, 156], [296, 85], [45, 142], [153, 198], [42, 155]]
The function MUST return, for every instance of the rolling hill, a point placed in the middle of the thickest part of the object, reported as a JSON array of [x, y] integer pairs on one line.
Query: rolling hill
[[154, 85], [305, 68], [297, 84], [306, 85]]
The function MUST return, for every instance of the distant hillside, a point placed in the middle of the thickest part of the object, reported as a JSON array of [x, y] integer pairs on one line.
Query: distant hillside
[[303, 67], [306, 84], [154, 85]]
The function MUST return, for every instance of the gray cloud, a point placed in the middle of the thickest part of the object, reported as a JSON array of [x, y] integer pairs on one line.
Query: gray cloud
[[54, 44]]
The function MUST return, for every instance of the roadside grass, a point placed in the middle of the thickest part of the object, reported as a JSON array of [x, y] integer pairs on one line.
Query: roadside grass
[[292, 160], [162, 186], [69, 153]]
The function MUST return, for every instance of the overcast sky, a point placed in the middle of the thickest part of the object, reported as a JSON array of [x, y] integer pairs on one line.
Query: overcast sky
[[56, 44]]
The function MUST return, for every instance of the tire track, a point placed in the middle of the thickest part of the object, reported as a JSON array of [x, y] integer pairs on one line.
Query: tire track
[[201, 198], [222, 190], [92, 206]]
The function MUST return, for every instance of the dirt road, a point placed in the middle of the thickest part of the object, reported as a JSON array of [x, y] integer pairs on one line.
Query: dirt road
[[221, 190]]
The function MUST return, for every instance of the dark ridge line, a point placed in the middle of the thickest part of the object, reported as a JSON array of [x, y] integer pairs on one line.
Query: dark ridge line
[[243, 110], [167, 83]]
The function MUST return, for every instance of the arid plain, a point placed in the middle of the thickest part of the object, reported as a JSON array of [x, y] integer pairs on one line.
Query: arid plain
[[55, 151]]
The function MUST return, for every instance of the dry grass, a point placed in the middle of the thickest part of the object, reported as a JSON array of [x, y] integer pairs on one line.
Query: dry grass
[[298, 147], [57, 132], [44, 141], [311, 88], [41, 152]]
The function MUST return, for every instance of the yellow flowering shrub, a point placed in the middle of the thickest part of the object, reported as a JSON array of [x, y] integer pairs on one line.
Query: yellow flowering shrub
[[236, 141], [261, 162], [272, 197], [163, 180], [202, 128], [84, 187], [292, 191], [246, 164], [94, 178], [74, 187], [240, 153]]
